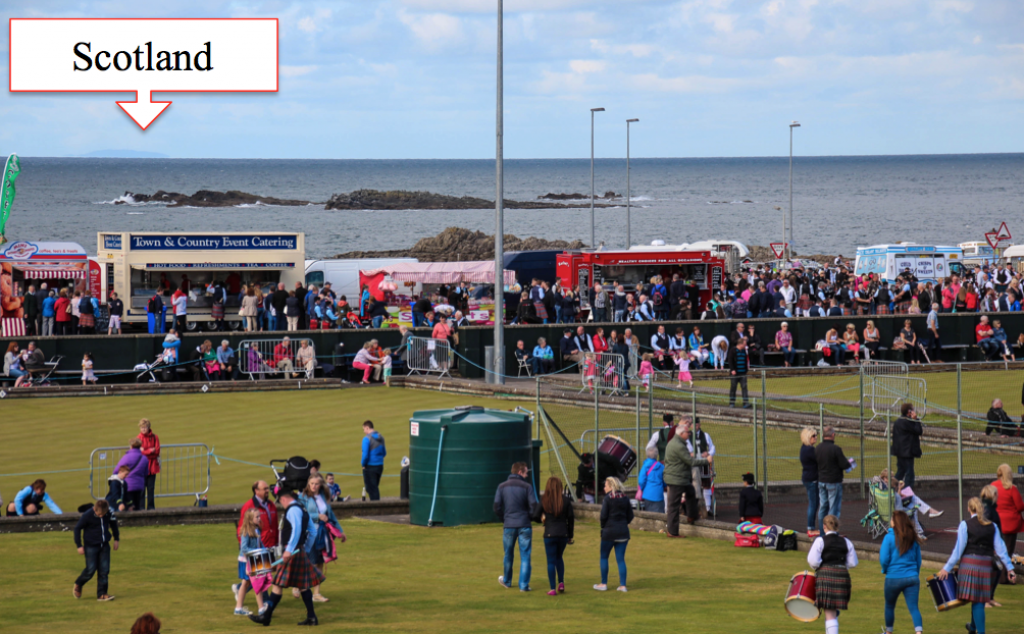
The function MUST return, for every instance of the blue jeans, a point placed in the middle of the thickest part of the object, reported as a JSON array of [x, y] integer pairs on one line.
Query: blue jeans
[[620, 560], [830, 500], [271, 321], [554, 548], [654, 507], [812, 504], [619, 316], [525, 538], [377, 321], [418, 319], [558, 314], [97, 559], [911, 589]]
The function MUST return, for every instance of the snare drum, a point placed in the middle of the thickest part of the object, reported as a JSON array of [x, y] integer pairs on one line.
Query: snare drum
[[620, 451], [944, 592], [260, 561], [800, 597]]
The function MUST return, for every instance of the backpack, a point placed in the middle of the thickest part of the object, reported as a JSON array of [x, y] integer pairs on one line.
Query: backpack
[[153, 307], [658, 296], [295, 475]]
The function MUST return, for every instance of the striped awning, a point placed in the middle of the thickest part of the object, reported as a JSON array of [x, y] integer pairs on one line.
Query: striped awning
[[443, 272], [12, 327], [52, 270]]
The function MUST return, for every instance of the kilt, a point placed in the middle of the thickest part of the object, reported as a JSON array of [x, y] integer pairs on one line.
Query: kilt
[[847, 311], [833, 588], [297, 573], [542, 313], [217, 311], [882, 309], [86, 321], [804, 303], [974, 580]]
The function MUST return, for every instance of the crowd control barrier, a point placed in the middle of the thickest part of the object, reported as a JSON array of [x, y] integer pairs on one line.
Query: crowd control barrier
[[184, 470], [429, 356], [260, 358]]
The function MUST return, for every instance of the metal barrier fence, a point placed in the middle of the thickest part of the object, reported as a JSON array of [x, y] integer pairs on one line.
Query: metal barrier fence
[[603, 371], [966, 435], [184, 470], [429, 356], [260, 358]]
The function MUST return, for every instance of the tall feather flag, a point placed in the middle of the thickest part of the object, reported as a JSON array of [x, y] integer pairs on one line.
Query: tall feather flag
[[11, 171]]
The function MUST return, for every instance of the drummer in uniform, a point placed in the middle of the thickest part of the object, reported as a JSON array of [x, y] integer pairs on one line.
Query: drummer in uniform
[[702, 476], [295, 569], [832, 556], [978, 543]]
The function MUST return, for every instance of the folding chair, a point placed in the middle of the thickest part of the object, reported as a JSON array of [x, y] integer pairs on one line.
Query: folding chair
[[877, 519], [524, 364]]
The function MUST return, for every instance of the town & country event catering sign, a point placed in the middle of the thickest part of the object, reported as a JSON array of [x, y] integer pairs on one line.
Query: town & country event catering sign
[[153, 242]]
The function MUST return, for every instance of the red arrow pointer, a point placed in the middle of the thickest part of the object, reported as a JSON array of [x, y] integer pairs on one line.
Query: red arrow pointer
[[144, 111]]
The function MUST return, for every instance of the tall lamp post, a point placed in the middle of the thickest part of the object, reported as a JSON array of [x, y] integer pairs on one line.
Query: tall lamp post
[[629, 239], [789, 243], [499, 219], [592, 239]]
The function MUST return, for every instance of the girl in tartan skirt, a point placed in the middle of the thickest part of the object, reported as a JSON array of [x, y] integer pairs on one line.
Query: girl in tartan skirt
[[978, 543], [295, 570], [832, 556]]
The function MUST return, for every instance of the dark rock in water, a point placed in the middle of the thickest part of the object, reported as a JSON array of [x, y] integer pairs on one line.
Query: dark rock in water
[[456, 244], [407, 200], [207, 198], [577, 196]]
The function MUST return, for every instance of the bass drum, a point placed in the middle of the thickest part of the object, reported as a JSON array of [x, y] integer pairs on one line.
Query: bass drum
[[800, 597]]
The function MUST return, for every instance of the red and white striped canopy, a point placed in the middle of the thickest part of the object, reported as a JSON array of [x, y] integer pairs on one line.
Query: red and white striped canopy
[[12, 327], [443, 272], [51, 270]]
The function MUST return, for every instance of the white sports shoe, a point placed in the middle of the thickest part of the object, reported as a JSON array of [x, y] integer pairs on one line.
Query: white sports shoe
[[501, 580], [933, 513], [234, 589]]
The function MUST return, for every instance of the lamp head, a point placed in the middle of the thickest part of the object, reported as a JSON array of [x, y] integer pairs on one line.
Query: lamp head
[[597, 109], [632, 120], [795, 124]]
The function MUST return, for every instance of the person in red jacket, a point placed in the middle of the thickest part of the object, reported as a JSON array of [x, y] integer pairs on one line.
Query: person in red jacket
[[150, 449], [261, 502], [1009, 506]]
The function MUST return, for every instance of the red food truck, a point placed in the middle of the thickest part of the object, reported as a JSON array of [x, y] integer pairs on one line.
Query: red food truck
[[638, 265]]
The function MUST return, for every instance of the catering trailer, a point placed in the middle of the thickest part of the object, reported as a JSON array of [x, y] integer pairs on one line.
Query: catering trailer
[[926, 263], [138, 265], [60, 265], [636, 267]]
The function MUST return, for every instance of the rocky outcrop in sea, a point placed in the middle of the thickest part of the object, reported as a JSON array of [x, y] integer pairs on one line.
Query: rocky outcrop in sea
[[406, 200], [456, 244]]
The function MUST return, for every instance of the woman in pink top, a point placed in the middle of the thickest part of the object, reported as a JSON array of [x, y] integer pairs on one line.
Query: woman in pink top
[[784, 342]]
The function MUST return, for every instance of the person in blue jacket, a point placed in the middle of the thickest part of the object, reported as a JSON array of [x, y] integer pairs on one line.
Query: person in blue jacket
[[374, 451], [901, 564], [30, 500], [652, 482]]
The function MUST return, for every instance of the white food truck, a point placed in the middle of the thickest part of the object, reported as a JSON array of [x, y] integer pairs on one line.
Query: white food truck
[[343, 274], [926, 263], [137, 265]]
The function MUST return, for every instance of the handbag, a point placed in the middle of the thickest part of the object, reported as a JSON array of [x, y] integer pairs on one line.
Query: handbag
[[639, 491], [746, 540]]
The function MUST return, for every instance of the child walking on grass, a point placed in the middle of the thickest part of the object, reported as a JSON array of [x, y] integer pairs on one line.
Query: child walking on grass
[[249, 540], [386, 364], [647, 370], [683, 364]]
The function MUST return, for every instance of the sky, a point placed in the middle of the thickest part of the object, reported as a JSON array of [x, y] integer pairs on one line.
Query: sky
[[375, 79]]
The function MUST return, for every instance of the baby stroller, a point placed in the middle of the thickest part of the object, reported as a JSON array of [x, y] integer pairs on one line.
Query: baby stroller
[[40, 376]]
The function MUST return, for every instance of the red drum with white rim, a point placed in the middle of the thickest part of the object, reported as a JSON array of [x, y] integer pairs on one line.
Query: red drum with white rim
[[800, 597]]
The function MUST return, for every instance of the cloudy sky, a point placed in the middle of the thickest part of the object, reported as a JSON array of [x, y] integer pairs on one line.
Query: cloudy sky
[[416, 79]]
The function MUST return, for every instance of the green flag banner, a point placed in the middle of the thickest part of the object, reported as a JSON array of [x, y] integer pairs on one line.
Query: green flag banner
[[11, 171]]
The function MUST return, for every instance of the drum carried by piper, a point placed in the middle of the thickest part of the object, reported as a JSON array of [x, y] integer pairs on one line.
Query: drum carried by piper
[[944, 592], [260, 561], [800, 597]]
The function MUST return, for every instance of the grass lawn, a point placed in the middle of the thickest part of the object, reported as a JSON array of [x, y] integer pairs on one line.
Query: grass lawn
[[394, 578], [58, 434]]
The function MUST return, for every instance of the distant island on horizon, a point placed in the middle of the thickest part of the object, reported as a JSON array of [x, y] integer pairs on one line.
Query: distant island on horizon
[[122, 154]]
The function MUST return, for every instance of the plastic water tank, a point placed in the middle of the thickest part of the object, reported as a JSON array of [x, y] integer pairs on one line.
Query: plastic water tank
[[477, 452]]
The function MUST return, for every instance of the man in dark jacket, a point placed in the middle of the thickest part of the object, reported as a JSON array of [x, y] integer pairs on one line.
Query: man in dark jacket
[[516, 506], [92, 537], [32, 308], [279, 300], [832, 462], [906, 443], [738, 360], [999, 421], [679, 464]]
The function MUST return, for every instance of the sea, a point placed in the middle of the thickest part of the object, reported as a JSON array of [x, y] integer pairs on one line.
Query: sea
[[839, 203]]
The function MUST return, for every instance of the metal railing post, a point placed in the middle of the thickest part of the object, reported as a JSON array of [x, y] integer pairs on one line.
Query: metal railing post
[[650, 407], [753, 426], [863, 490], [888, 461], [537, 408], [597, 443], [764, 433], [959, 440], [821, 420]]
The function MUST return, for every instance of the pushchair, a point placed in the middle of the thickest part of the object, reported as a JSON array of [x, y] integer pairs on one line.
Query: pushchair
[[40, 376]]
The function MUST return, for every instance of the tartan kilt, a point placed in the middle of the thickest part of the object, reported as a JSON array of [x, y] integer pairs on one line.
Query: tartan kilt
[[832, 591], [217, 311], [974, 580], [847, 311], [86, 321], [804, 303], [542, 312], [299, 573], [882, 309]]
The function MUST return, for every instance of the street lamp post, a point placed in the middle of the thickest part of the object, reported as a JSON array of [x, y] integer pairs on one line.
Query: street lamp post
[[789, 243], [499, 216], [629, 239], [593, 242]]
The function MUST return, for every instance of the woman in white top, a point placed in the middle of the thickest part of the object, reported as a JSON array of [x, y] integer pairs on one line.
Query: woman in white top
[[832, 555], [719, 351]]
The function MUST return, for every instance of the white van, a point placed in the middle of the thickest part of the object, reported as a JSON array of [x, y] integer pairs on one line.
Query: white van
[[926, 263], [978, 254], [344, 274]]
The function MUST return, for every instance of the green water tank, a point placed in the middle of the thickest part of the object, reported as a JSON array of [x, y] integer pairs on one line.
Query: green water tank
[[477, 452]]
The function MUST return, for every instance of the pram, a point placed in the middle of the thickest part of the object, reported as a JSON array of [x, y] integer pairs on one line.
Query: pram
[[150, 369], [40, 376]]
